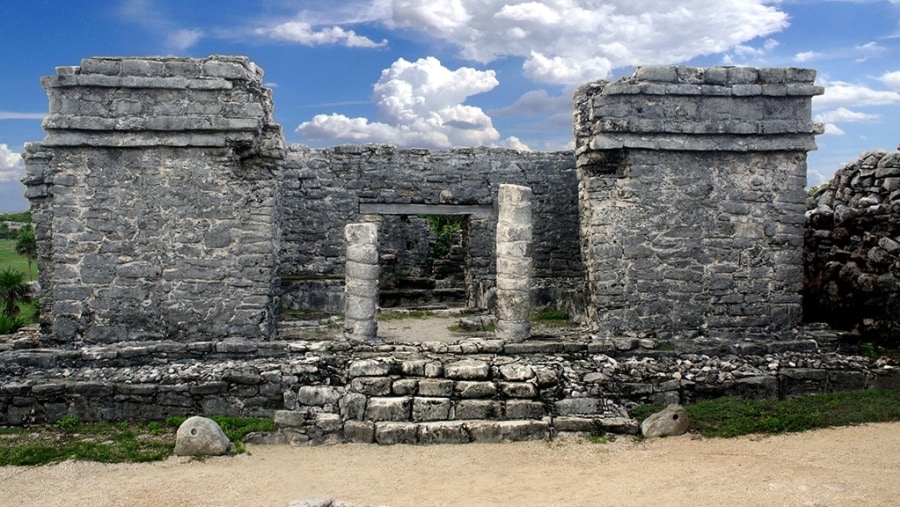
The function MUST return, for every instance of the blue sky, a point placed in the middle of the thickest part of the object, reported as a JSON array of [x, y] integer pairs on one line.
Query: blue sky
[[445, 73]]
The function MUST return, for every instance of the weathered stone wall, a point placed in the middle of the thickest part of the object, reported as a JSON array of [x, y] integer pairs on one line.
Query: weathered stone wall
[[853, 249], [692, 197], [475, 390], [155, 200], [325, 187]]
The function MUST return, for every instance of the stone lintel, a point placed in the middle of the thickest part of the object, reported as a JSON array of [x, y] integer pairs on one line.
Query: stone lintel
[[366, 208]]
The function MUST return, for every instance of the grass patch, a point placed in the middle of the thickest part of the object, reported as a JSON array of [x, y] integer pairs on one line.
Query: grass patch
[[70, 439], [9, 258], [550, 315], [109, 442], [732, 417]]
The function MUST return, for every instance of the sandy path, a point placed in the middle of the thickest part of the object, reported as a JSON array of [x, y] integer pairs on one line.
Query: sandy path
[[844, 466]]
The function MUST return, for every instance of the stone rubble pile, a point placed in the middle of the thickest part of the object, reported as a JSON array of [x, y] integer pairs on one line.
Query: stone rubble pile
[[852, 249]]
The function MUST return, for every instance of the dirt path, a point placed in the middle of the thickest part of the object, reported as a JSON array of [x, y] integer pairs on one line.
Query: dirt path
[[844, 466]]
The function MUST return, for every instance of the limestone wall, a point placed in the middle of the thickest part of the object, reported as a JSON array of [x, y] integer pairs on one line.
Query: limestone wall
[[155, 200], [853, 249], [324, 188], [692, 197]]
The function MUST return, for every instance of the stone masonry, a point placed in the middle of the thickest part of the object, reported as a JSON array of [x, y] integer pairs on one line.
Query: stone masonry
[[361, 284], [514, 266], [692, 199]]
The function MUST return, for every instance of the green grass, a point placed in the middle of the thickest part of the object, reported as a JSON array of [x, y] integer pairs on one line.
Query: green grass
[[108, 442], [9, 258], [731, 417]]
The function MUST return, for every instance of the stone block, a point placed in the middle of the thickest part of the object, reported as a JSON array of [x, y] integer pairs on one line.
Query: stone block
[[671, 421], [371, 386], [392, 433], [370, 367], [577, 424], [477, 409], [518, 389], [318, 395], [436, 387], [450, 432], [430, 409], [289, 418], [405, 387], [415, 368], [524, 409], [516, 372], [578, 406], [328, 423], [388, 409], [468, 370], [359, 432], [468, 389], [507, 431], [353, 406]]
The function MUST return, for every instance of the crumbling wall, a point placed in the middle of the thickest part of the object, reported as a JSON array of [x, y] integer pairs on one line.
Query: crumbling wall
[[155, 199], [692, 197], [852, 278], [324, 188]]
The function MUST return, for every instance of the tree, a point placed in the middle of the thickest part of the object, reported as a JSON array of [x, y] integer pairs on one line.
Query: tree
[[13, 290], [27, 246]]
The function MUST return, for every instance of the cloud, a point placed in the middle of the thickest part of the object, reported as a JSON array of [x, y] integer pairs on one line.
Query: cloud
[[179, 40], [421, 105], [832, 130], [148, 15], [892, 79], [11, 165], [536, 103], [304, 33], [807, 56], [843, 114], [570, 42], [839, 93], [9, 115]]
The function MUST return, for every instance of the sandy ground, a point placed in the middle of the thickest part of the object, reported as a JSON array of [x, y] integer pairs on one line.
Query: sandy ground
[[843, 466]]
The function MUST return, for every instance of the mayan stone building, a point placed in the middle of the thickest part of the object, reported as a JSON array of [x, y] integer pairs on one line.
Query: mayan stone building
[[166, 205]]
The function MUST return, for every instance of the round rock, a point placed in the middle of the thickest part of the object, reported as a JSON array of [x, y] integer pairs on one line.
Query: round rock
[[201, 436]]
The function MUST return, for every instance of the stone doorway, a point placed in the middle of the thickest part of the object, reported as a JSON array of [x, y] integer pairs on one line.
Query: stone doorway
[[426, 254]]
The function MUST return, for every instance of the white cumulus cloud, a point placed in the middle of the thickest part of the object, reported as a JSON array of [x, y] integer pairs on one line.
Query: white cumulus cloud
[[839, 93], [11, 165], [892, 79], [573, 41], [420, 104], [842, 114], [181, 39], [807, 56], [306, 34]]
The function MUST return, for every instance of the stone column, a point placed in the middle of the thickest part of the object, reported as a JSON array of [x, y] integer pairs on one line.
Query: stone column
[[361, 288], [514, 264]]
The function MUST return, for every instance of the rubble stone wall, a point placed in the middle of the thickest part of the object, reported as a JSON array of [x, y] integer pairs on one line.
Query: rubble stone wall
[[853, 249], [323, 190], [476, 390], [692, 198], [155, 201]]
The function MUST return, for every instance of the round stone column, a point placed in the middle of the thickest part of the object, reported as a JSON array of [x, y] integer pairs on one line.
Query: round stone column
[[514, 263], [361, 282]]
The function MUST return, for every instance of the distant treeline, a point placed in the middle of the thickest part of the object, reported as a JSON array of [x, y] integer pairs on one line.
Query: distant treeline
[[7, 232], [22, 216]]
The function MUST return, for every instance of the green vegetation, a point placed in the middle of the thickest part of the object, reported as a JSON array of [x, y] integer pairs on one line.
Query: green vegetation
[[550, 315], [868, 350], [444, 227], [109, 442], [10, 259], [731, 417], [72, 439], [16, 308]]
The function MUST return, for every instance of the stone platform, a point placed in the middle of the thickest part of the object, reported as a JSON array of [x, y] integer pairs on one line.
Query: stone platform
[[323, 389]]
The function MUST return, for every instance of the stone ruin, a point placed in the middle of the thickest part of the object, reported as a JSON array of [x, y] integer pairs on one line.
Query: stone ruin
[[174, 226]]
